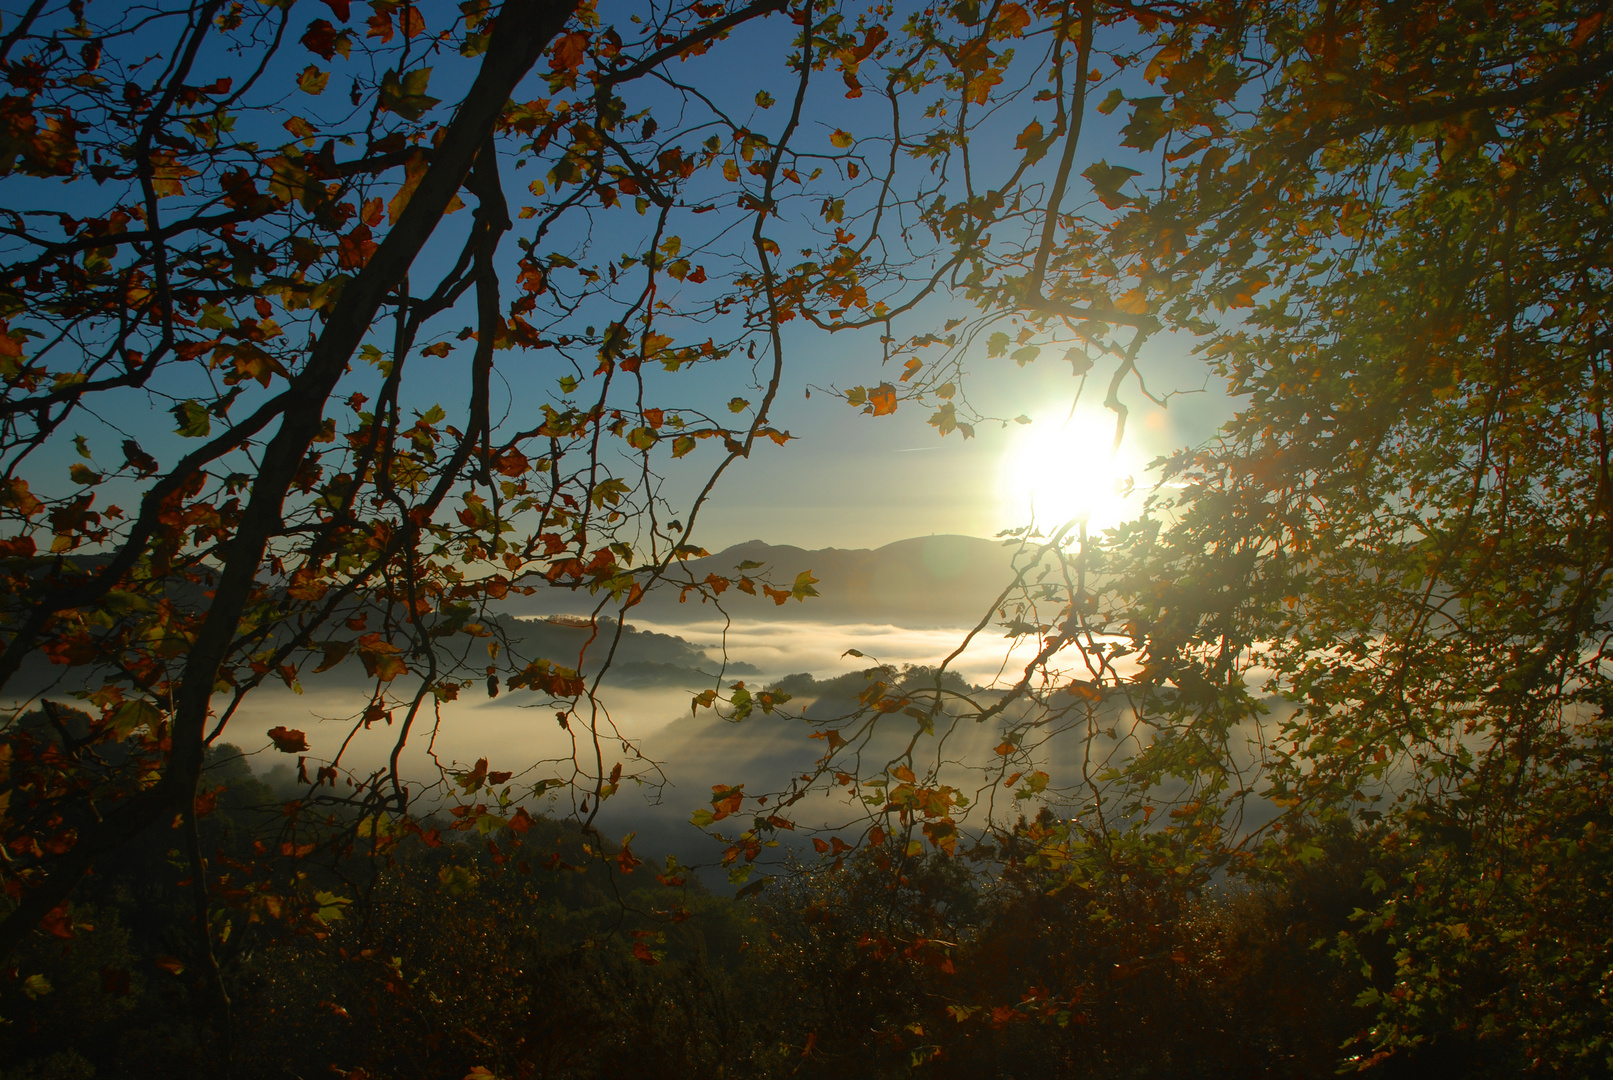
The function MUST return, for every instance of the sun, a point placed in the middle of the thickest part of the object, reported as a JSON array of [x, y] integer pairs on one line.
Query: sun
[[1062, 469]]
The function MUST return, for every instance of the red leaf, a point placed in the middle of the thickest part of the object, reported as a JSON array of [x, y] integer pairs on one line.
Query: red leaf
[[57, 923], [19, 547], [320, 39], [288, 740]]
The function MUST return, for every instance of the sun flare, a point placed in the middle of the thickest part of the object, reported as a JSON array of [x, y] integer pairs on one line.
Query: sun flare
[[1058, 470]]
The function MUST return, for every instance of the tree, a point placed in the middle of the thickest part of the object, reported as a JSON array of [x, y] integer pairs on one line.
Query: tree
[[1372, 608], [271, 301], [316, 504], [281, 540], [1377, 600]]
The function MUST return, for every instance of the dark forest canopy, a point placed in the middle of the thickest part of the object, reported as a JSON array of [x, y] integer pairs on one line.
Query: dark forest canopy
[[386, 312]]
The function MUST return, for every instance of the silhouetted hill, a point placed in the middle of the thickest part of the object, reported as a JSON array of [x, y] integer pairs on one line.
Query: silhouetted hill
[[942, 580]]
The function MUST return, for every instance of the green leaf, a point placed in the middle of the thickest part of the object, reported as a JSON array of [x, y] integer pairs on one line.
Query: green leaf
[[803, 585], [330, 906], [1148, 123], [407, 97], [132, 715], [1107, 180], [193, 421]]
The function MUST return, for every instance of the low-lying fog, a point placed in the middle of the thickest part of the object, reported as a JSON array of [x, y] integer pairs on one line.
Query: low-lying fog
[[671, 754], [647, 703], [676, 753]]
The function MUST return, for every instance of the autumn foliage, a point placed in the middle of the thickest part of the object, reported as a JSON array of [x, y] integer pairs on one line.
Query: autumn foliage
[[328, 328]]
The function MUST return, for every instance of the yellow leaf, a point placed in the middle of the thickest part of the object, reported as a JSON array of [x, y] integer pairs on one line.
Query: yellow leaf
[[83, 474], [840, 138], [312, 80], [1134, 302], [1162, 62], [167, 174], [413, 170]]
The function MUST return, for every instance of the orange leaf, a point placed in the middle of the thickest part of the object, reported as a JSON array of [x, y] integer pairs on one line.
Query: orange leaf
[[1585, 28], [1134, 302], [882, 399], [568, 52]]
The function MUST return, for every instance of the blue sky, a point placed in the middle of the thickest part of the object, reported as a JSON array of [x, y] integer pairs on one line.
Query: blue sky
[[847, 480]]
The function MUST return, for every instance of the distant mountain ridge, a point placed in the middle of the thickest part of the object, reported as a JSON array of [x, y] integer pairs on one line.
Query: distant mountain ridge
[[940, 580]]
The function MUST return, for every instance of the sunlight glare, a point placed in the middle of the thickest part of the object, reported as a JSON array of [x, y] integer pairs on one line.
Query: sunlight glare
[[1059, 469]]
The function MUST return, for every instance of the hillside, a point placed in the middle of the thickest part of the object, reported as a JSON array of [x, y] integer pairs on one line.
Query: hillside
[[923, 581]]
